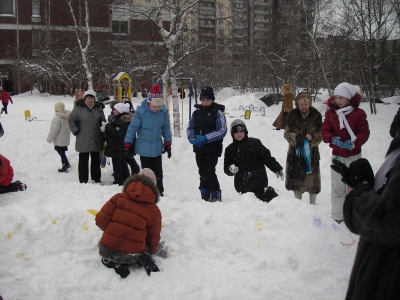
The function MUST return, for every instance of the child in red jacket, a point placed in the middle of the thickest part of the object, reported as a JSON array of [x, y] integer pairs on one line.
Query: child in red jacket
[[5, 98], [346, 129], [131, 222], [6, 177]]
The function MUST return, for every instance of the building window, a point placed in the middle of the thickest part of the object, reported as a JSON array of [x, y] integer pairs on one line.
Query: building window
[[120, 27], [6, 7], [35, 42], [35, 8]]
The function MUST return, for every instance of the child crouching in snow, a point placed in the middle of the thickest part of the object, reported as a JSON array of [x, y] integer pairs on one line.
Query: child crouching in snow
[[246, 159], [131, 222], [6, 176]]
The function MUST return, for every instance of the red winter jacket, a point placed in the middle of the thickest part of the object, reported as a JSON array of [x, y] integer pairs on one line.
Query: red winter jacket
[[357, 120], [5, 97], [6, 171], [131, 220]]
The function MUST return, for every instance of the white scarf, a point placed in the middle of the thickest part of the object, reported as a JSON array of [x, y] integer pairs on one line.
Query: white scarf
[[343, 121]]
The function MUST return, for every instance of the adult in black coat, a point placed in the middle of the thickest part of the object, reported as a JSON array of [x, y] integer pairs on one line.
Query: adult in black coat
[[374, 214], [395, 126], [246, 159]]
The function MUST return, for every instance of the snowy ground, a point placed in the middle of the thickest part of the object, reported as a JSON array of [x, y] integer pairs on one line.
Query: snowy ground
[[240, 248]]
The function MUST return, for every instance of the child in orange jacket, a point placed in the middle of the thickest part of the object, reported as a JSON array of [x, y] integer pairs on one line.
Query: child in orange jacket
[[131, 222]]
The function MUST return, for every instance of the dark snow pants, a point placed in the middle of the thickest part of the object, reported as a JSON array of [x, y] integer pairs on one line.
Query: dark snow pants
[[121, 171], [154, 164], [83, 167], [208, 178]]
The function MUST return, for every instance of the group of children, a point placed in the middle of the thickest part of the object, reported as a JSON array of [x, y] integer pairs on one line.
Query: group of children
[[345, 128]]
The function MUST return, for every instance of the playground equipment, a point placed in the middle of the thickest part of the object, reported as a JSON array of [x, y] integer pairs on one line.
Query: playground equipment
[[122, 87]]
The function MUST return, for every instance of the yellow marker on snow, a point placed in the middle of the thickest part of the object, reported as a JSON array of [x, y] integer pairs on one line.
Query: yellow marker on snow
[[92, 211], [28, 115]]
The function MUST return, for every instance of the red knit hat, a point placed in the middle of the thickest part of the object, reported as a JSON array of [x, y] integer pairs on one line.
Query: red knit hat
[[155, 96]]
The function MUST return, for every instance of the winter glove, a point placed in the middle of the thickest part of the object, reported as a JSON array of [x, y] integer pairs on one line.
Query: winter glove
[[128, 150], [346, 145], [200, 140], [76, 132], [269, 194], [233, 169], [279, 174], [167, 148], [300, 141], [103, 126], [358, 171], [162, 250], [191, 138]]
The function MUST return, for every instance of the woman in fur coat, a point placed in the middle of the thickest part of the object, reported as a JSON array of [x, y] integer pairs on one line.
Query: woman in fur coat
[[131, 222], [287, 107], [374, 214], [305, 122], [60, 134], [345, 129]]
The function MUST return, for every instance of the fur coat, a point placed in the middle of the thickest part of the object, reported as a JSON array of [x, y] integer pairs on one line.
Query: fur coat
[[295, 126], [131, 221], [287, 107], [375, 217]]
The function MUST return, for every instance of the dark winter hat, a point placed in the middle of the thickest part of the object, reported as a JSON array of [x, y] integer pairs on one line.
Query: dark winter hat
[[207, 92], [303, 96], [238, 126]]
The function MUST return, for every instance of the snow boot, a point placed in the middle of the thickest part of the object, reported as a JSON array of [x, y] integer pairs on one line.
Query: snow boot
[[205, 194], [65, 168], [21, 186], [215, 196], [122, 270], [148, 263], [269, 194]]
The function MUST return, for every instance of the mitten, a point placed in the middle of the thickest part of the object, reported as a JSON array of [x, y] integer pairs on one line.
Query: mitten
[[76, 132], [336, 141], [348, 145], [103, 126], [162, 250], [300, 141], [167, 148], [191, 138], [128, 150], [269, 194], [279, 174], [358, 171], [200, 140], [233, 169], [343, 170]]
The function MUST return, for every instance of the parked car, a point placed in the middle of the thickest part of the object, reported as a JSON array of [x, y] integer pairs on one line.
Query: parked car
[[377, 100], [272, 98]]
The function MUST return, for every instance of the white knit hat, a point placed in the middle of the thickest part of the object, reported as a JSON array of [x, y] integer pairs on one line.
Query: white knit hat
[[122, 108], [59, 106], [149, 174], [346, 90], [89, 93]]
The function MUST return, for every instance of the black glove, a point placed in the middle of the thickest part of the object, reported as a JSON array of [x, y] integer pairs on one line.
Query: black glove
[[76, 132], [358, 171], [299, 141], [129, 151], [269, 194], [167, 148]]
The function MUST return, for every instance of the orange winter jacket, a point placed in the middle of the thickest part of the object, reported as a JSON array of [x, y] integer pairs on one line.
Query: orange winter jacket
[[6, 171], [131, 219]]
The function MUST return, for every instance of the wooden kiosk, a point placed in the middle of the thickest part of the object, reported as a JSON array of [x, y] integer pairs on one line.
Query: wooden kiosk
[[122, 87]]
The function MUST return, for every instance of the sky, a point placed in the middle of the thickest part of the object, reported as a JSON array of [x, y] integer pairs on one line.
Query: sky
[[240, 248]]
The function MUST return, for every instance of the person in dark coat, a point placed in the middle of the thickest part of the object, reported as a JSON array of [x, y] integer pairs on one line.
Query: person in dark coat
[[85, 121], [345, 129], [206, 130], [374, 214], [246, 159], [5, 98], [304, 121], [115, 132], [395, 126]]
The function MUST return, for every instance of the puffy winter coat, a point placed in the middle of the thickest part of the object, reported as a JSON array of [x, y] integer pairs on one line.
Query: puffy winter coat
[[6, 171], [287, 107], [375, 217], [116, 131], [357, 120], [5, 97], [59, 129], [295, 126], [151, 130], [131, 221], [87, 122], [210, 122], [251, 157]]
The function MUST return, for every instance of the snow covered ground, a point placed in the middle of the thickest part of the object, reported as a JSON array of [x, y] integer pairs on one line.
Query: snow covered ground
[[240, 248]]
